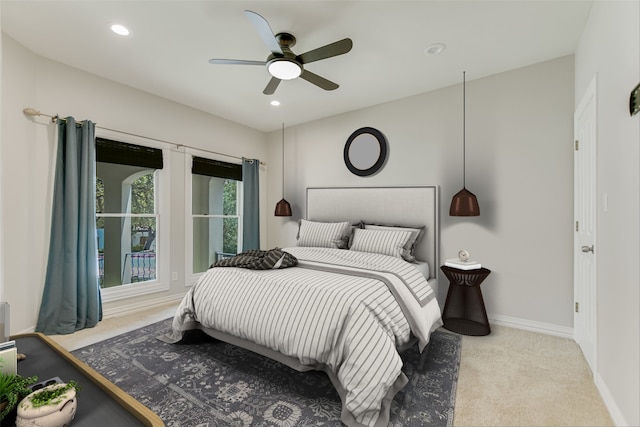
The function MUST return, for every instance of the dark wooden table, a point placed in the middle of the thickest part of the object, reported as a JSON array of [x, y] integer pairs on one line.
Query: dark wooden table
[[464, 310], [100, 402]]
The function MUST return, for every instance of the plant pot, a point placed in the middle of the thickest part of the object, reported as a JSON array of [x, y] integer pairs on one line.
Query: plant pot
[[59, 412]]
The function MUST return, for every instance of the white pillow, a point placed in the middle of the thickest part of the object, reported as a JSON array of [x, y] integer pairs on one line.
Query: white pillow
[[408, 254], [324, 234], [386, 242]]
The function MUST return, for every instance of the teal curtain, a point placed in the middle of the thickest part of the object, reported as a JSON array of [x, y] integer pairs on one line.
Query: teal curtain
[[71, 297], [251, 203]]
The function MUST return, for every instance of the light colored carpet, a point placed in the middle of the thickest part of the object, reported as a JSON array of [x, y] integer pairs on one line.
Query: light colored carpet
[[509, 378], [519, 378]]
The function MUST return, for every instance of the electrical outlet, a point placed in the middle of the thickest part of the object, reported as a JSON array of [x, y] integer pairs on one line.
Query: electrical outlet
[[174, 275]]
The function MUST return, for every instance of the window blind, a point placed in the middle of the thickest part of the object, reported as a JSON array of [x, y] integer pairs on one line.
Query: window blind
[[216, 168], [110, 151]]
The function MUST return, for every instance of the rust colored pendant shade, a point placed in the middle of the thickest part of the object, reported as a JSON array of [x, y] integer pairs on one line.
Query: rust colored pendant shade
[[464, 203], [283, 208]]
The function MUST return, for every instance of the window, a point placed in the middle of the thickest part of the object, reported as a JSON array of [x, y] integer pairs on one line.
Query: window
[[216, 223], [127, 213]]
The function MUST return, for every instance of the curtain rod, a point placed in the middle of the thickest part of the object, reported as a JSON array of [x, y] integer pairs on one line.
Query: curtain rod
[[32, 112]]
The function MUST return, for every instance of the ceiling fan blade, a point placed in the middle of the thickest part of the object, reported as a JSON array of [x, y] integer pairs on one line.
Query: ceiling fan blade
[[236, 62], [264, 31], [271, 86], [334, 49], [319, 81]]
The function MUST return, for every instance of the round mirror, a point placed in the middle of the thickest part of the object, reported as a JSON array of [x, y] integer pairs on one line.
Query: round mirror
[[365, 151]]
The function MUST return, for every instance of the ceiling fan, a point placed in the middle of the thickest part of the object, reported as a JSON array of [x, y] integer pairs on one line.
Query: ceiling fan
[[283, 64]]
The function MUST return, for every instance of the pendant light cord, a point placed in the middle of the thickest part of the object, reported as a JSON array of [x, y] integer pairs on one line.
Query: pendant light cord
[[464, 136], [283, 160]]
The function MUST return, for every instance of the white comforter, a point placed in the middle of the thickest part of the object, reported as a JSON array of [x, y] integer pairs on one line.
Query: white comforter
[[343, 311]]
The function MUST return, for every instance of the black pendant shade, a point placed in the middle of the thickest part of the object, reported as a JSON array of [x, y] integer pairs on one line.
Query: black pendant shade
[[464, 203], [283, 208]]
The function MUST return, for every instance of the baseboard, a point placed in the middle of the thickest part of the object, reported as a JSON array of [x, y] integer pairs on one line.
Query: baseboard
[[610, 402], [121, 309], [533, 326], [127, 309]]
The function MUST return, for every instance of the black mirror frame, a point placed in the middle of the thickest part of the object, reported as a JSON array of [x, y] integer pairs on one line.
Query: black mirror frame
[[382, 158], [634, 101]]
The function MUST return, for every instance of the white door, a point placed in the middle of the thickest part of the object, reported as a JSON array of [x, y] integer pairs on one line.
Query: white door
[[585, 213]]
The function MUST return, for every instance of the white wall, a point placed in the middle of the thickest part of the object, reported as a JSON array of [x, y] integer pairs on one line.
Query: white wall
[[610, 48], [27, 148], [519, 164], [1, 218]]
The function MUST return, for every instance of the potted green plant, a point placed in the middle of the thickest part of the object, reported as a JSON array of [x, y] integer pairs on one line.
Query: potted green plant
[[13, 388], [51, 406]]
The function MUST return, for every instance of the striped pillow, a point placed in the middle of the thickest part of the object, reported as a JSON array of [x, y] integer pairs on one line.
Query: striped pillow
[[385, 242], [324, 234], [408, 254]]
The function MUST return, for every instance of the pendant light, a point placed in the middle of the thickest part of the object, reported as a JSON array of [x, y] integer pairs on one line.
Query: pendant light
[[283, 208], [464, 203]]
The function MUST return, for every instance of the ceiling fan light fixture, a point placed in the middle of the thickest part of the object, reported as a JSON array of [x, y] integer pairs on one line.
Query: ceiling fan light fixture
[[284, 69], [282, 63]]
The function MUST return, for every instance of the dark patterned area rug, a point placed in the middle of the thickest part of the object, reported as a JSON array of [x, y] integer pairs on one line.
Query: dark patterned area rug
[[202, 382]]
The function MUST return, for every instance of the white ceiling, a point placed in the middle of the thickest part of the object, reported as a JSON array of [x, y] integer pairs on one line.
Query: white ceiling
[[172, 41]]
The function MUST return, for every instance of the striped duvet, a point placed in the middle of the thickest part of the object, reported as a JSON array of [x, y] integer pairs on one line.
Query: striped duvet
[[341, 311]]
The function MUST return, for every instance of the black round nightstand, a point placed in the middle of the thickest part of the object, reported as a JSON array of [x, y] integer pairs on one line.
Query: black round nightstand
[[464, 310]]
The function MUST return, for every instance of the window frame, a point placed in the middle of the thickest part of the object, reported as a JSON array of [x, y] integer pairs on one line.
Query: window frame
[[190, 277], [162, 198]]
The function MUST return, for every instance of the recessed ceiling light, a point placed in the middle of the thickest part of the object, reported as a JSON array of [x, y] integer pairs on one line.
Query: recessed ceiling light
[[435, 48], [275, 103], [120, 29]]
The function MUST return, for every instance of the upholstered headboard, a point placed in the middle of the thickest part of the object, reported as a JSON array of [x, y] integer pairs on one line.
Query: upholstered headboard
[[405, 206]]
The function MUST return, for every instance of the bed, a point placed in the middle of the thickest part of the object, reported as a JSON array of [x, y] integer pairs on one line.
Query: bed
[[356, 294]]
